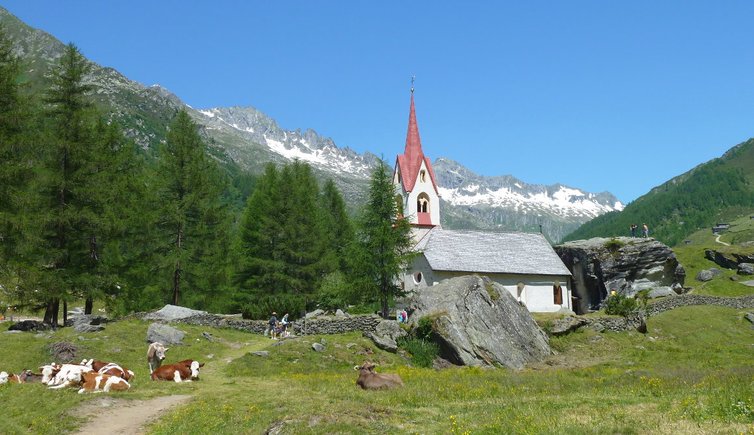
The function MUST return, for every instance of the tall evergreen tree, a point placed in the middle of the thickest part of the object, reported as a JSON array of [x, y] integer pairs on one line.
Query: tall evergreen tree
[[281, 242], [383, 242], [64, 209], [338, 230], [189, 194]]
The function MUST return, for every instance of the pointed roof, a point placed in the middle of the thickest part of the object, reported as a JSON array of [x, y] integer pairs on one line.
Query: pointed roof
[[410, 161]]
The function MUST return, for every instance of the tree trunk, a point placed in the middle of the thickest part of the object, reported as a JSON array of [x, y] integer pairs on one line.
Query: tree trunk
[[48, 312], [55, 312], [65, 312], [88, 305], [176, 282]]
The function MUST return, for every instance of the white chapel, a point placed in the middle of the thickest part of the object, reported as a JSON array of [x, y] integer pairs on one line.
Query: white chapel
[[524, 263]]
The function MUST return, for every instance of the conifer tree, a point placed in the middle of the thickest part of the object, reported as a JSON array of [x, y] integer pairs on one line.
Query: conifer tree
[[189, 193], [63, 243], [337, 230], [383, 243]]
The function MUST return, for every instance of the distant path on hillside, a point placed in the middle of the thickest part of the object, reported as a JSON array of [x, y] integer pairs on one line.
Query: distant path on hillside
[[119, 416], [717, 239]]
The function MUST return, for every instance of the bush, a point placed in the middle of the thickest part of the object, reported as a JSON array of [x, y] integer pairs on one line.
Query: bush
[[620, 305], [334, 292], [423, 352]]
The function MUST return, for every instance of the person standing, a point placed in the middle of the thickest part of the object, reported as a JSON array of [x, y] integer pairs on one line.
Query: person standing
[[645, 230], [272, 324], [633, 229]]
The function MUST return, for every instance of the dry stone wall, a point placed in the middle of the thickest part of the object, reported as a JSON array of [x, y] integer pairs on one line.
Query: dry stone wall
[[320, 325]]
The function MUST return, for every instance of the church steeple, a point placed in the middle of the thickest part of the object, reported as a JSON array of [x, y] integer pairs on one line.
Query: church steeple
[[415, 177]]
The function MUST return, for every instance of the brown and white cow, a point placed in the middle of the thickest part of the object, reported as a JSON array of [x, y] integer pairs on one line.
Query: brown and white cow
[[94, 382], [182, 371], [108, 368], [9, 378], [59, 376], [29, 377], [370, 380], [155, 355]]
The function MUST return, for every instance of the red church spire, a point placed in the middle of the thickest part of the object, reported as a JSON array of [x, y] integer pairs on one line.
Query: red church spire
[[413, 141]]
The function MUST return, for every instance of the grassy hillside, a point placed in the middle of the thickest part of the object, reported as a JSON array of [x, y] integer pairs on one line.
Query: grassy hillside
[[690, 254], [714, 191], [677, 379]]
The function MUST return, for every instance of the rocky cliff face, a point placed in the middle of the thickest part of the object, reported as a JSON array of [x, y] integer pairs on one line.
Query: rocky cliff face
[[478, 322], [627, 265]]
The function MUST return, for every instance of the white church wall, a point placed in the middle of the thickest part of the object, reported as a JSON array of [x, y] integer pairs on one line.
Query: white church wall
[[423, 186], [537, 294]]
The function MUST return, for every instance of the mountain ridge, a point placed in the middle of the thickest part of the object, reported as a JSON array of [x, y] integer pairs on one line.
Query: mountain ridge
[[247, 138]]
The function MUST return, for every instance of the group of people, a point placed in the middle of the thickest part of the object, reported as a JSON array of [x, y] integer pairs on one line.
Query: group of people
[[644, 230], [401, 316], [278, 328]]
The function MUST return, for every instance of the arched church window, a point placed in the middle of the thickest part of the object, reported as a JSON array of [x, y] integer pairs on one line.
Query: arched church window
[[422, 203], [423, 176]]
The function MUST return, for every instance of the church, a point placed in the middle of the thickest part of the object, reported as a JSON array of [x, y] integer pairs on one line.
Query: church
[[524, 263]]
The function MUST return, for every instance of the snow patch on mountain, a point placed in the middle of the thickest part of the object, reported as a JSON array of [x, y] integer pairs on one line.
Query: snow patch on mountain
[[564, 202]]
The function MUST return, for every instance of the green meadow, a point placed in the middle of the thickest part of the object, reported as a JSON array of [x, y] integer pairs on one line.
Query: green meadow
[[692, 373]]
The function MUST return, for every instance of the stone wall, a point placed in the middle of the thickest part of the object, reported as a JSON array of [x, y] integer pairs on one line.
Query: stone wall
[[320, 325]]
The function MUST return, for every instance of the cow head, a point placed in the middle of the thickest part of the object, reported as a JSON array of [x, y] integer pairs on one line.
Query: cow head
[[367, 367], [3, 378], [157, 351], [195, 369], [49, 371]]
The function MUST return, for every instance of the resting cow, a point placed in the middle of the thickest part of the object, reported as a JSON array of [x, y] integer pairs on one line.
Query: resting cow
[[108, 368], [369, 380], [5, 378], [155, 355], [97, 382], [58, 376], [182, 371]]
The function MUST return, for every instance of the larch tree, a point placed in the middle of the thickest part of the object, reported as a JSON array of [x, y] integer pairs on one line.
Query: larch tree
[[189, 197], [383, 242]]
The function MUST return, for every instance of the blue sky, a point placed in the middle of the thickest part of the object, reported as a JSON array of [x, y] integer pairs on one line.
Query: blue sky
[[598, 95]]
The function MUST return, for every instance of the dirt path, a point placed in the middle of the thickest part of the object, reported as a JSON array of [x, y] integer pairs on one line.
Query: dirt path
[[131, 417]]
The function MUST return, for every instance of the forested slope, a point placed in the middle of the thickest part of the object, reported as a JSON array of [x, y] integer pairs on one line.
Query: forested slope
[[717, 190]]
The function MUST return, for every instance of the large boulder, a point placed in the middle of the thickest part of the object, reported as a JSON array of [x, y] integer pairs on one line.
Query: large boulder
[[165, 334], [624, 264], [707, 274], [728, 260], [29, 326], [386, 335], [746, 269], [169, 313], [477, 322]]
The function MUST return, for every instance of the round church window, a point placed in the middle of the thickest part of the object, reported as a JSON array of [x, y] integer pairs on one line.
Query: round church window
[[417, 277]]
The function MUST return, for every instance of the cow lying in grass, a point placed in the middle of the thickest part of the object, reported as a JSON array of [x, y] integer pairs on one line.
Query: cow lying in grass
[[97, 382], [26, 376], [182, 371], [370, 380], [57, 376], [108, 368]]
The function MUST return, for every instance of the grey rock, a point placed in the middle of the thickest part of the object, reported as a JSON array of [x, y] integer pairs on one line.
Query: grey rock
[[746, 269], [678, 289], [598, 326], [729, 260], [12, 332], [707, 274], [85, 327], [733, 278], [749, 317], [566, 325], [29, 325], [318, 347], [477, 322], [661, 292], [165, 334], [262, 353], [386, 335], [87, 323], [625, 264], [340, 313], [315, 313], [169, 313], [748, 283]]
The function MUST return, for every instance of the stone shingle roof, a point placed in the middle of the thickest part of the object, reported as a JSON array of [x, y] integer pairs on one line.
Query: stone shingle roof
[[491, 252]]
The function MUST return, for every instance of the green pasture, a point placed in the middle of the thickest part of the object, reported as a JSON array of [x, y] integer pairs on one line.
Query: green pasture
[[692, 373]]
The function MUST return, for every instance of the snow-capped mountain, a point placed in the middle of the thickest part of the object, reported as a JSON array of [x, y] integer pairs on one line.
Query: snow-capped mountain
[[249, 139]]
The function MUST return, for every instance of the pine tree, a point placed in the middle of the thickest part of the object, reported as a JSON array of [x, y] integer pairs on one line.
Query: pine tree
[[189, 193], [338, 230], [383, 242], [64, 209]]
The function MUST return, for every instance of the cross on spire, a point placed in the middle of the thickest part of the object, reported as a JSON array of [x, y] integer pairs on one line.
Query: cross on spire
[[413, 77]]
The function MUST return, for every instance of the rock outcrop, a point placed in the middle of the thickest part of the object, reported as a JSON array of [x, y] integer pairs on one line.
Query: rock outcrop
[[624, 264], [477, 322], [165, 334], [170, 313], [386, 335], [728, 260]]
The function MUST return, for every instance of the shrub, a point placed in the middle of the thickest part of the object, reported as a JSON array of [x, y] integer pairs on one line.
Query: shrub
[[423, 352], [613, 245], [620, 305]]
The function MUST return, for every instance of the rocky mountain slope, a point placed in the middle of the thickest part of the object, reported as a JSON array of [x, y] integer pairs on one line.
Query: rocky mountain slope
[[248, 139]]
